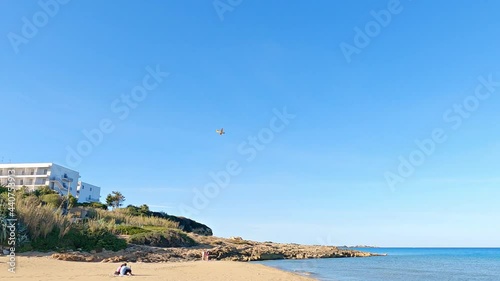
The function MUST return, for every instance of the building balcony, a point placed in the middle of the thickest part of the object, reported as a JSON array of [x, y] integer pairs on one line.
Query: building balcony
[[22, 176]]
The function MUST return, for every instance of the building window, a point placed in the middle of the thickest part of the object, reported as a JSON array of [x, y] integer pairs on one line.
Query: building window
[[91, 189], [44, 171], [21, 182]]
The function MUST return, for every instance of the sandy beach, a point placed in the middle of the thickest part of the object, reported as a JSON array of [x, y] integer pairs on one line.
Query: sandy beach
[[45, 268]]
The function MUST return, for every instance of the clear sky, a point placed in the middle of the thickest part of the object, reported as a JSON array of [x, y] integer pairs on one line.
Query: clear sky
[[358, 101]]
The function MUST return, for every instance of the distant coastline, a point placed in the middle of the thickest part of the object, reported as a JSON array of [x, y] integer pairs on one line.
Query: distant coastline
[[357, 246]]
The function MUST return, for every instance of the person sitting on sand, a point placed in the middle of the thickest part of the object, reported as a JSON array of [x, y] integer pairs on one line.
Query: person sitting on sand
[[125, 270], [118, 270]]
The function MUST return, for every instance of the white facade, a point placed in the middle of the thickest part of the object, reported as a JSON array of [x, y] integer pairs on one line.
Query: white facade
[[34, 175], [30, 175], [88, 192]]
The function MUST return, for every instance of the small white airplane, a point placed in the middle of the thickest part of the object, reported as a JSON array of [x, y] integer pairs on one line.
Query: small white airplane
[[221, 131]]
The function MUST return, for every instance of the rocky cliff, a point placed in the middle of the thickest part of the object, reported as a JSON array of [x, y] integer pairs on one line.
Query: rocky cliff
[[185, 224]]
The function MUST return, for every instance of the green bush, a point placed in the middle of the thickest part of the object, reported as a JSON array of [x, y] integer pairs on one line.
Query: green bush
[[97, 205], [53, 200], [51, 242], [25, 248], [156, 228], [97, 240], [79, 238], [3, 189], [43, 190], [167, 238], [129, 230], [108, 241], [142, 210], [72, 201]]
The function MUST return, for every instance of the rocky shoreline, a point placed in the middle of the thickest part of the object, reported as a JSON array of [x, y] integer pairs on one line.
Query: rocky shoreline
[[232, 249]]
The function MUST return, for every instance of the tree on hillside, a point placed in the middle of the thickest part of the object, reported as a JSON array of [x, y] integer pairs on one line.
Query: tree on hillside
[[72, 201], [144, 209], [115, 199]]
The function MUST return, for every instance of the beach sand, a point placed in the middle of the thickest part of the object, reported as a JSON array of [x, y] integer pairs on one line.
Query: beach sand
[[45, 268]]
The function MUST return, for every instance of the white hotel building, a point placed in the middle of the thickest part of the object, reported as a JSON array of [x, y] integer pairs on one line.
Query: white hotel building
[[58, 178], [88, 192]]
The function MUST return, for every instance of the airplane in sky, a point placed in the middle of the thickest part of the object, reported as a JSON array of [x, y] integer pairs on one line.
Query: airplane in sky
[[221, 131]]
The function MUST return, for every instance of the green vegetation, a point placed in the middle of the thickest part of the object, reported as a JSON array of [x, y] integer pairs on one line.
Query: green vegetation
[[185, 224], [40, 219], [142, 210], [95, 205], [167, 238], [43, 191], [115, 199], [129, 230], [52, 200], [43, 226], [80, 237], [120, 216], [72, 201]]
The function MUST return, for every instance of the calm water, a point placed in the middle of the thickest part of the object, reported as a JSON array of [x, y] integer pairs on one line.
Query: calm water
[[403, 264]]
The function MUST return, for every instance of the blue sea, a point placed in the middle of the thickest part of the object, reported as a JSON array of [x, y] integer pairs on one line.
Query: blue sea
[[403, 264]]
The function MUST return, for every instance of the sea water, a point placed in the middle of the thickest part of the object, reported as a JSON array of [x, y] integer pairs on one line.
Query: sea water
[[403, 264]]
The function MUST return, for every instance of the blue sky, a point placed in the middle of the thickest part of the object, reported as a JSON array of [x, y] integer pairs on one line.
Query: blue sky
[[322, 178]]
